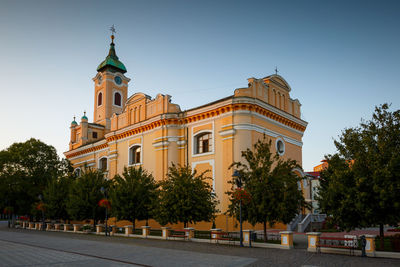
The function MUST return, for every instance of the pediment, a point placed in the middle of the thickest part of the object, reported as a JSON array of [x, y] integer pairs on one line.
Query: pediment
[[279, 81], [136, 97]]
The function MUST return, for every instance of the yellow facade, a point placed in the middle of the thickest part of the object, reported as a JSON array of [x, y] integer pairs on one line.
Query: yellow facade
[[209, 137]]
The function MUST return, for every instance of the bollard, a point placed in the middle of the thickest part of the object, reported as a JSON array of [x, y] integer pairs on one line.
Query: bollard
[[165, 232], [247, 237], [370, 245], [189, 233], [99, 228], [128, 229], [313, 241], [145, 231], [287, 239]]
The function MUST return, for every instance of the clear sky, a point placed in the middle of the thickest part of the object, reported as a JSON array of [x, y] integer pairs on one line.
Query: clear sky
[[341, 58]]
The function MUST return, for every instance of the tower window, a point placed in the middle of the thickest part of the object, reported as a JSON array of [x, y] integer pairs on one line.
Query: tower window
[[134, 155], [100, 99], [117, 99], [94, 134], [103, 164], [203, 143]]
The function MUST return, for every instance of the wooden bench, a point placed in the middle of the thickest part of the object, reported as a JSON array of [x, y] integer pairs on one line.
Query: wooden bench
[[179, 233], [348, 243]]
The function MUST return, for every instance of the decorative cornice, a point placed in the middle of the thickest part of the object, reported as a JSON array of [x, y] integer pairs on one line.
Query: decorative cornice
[[256, 107]]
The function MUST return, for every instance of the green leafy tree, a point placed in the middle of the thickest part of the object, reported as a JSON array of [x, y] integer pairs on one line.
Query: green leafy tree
[[272, 185], [85, 194], [25, 170], [133, 195], [56, 197], [361, 186], [185, 196]]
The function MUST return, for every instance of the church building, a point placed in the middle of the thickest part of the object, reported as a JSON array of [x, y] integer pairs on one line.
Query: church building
[[140, 130]]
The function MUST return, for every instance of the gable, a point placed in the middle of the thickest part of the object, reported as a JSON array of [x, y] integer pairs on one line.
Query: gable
[[277, 80]]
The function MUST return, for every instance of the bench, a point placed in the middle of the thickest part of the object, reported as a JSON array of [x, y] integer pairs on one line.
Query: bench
[[222, 236], [179, 233], [338, 242]]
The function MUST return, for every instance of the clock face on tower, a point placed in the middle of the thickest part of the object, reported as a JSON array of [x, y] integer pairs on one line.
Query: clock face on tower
[[118, 80]]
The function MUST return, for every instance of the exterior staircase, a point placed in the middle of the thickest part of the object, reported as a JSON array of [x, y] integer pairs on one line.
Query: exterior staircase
[[302, 222], [308, 219]]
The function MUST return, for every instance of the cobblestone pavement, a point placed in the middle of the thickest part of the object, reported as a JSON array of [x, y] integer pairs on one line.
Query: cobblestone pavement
[[12, 254], [37, 248]]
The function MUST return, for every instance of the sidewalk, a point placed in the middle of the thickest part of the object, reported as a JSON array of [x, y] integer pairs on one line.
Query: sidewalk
[[165, 253]]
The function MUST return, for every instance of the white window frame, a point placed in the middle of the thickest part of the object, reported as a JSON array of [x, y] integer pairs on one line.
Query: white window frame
[[194, 143], [122, 98], [98, 163], [130, 156]]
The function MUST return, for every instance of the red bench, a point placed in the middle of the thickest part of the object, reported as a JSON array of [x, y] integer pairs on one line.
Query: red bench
[[179, 233], [224, 236], [336, 242]]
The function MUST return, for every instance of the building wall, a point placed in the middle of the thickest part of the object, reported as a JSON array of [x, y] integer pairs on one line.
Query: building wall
[[167, 135]]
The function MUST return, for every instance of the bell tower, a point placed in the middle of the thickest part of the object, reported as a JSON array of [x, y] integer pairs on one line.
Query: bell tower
[[110, 87]]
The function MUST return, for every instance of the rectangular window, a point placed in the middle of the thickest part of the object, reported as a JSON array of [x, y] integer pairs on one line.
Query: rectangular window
[[94, 134]]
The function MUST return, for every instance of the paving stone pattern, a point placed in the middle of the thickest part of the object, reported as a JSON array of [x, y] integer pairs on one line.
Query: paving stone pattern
[[40, 248]]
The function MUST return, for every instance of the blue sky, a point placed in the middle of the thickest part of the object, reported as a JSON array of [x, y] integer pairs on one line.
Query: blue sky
[[341, 58]]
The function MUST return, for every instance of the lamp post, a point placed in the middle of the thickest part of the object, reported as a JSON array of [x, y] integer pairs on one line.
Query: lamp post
[[238, 180], [104, 192], [41, 198]]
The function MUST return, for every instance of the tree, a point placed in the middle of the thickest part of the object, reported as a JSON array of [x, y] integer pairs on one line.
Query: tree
[[25, 170], [361, 186], [85, 194], [185, 196], [56, 197], [133, 195], [272, 185]]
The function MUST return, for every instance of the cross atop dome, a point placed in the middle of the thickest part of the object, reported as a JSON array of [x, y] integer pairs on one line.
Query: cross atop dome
[[112, 62]]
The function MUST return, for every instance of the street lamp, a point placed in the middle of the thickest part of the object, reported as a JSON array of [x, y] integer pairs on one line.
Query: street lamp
[[238, 180], [104, 192], [41, 198]]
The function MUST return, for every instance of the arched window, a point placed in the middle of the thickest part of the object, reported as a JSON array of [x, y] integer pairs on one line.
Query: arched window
[[135, 155], [103, 164], [203, 143], [280, 146], [100, 99], [77, 172], [117, 99]]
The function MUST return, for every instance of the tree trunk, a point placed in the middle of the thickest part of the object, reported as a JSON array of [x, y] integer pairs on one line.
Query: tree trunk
[[382, 235], [184, 224], [265, 231], [134, 224]]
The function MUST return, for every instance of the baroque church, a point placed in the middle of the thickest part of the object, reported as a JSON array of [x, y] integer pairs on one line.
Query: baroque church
[[139, 130]]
